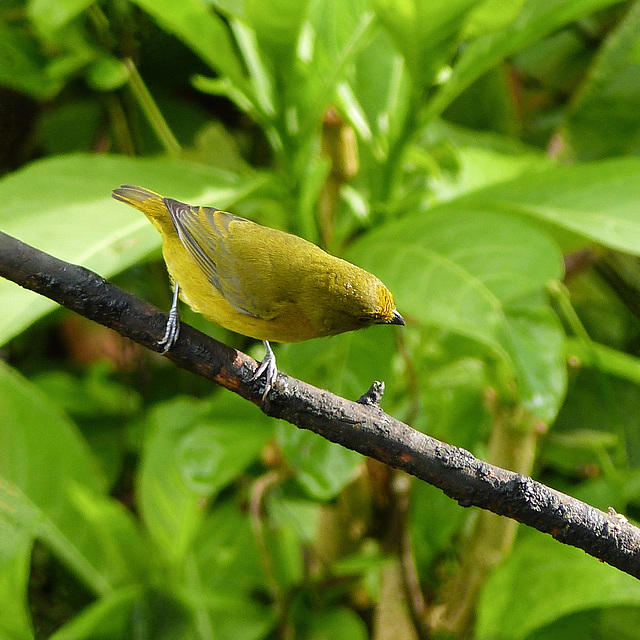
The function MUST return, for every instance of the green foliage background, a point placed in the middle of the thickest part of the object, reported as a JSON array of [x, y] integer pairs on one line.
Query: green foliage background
[[478, 144]]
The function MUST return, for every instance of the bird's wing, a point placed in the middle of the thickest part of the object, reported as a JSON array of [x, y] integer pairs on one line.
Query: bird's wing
[[205, 234]]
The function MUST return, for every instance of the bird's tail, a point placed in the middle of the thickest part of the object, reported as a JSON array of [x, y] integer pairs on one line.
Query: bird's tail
[[147, 201]]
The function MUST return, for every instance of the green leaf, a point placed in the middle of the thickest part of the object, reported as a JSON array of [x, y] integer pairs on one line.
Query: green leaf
[[337, 623], [63, 206], [321, 467], [618, 623], [425, 31], [113, 539], [262, 81], [73, 51], [23, 65], [435, 520], [346, 364], [33, 432], [481, 159], [51, 488], [284, 545], [601, 118], [376, 99], [49, 15], [453, 375], [131, 612], [336, 32], [193, 450], [226, 553], [107, 617], [231, 8], [571, 452], [244, 620], [70, 127], [490, 16], [458, 267], [277, 25], [107, 73], [537, 19], [560, 580], [605, 359], [201, 30], [15, 554], [95, 394], [599, 423], [541, 371], [598, 200], [302, 516], [480, 274], [225, 573]]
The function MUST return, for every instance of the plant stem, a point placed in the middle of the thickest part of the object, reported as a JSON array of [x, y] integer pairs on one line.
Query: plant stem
[[120, 125], [150, 109], [512, 445], [596, 356]]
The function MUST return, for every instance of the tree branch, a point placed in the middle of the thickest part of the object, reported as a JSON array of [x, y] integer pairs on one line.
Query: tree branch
[[361, 426]]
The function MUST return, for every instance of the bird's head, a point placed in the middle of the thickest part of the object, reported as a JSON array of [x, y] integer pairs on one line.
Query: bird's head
[[357, 300]]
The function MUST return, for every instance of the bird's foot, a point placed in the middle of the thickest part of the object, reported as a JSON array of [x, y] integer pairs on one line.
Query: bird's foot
[[173, 324], [170, 333], [268, 368]]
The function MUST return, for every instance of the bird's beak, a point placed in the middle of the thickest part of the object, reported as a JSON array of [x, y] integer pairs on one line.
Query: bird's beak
[[396, 319]]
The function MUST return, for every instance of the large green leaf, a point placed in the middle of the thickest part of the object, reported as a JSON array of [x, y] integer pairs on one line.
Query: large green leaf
[[51, 488], [482, 274], [63, 206], [598, 200], [471, 262], [463, 267], [543, 581], [193, 450]]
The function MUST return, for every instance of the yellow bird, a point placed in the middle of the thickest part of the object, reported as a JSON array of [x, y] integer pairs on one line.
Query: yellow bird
[[256, 281]]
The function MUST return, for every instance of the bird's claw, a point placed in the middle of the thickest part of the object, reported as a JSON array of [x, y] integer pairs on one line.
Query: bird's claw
[[173, 324], [268, 368], [171, 332]]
